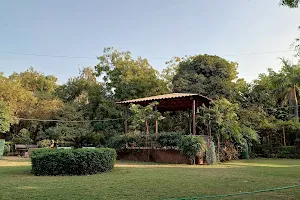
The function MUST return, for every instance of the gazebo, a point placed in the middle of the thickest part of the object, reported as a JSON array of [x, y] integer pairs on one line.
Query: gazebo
[[171, 102]]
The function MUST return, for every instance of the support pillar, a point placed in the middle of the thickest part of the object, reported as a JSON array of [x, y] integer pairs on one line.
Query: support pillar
[[156, 124], [194, 117], [126, 120]]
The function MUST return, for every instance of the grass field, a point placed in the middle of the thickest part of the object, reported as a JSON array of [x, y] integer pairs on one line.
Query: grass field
[[130, 180]]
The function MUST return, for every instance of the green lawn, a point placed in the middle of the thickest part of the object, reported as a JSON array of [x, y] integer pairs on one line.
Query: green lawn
[[130, 180]]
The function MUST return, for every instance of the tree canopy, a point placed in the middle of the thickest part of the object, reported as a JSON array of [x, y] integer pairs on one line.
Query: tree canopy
[[128, 78], [208, 75]]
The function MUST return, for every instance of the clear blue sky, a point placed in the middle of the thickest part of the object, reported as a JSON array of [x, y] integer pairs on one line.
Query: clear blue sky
[[151, 29]]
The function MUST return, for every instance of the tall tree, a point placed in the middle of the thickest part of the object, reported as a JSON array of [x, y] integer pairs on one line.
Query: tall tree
[[208, 75], [286, 83], [4, 118], [19, 100], [41, 85], [128, 78]]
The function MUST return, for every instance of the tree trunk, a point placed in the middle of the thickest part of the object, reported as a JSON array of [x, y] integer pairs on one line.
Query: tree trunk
[[147, 131], [296, 103], [293, 102], [218, 147]]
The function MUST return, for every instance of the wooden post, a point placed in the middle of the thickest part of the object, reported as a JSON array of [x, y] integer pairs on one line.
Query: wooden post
[[156, 124], [190, 121], [126, 120], [194, 117], [147, 127]]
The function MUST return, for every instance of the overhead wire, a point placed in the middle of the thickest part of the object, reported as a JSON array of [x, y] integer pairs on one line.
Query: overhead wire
[[154, 58], [65, 121]]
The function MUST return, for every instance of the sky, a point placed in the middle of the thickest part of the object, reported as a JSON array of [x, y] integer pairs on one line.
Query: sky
[[156, 30]]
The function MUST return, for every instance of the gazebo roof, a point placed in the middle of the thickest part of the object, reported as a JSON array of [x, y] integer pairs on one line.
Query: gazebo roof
[[171, 102]]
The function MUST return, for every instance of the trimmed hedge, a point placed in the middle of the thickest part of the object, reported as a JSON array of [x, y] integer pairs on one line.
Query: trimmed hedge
[[72, 161], [269, 151]]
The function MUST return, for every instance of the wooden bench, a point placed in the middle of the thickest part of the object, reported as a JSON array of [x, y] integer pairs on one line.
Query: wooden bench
[[22, 148]]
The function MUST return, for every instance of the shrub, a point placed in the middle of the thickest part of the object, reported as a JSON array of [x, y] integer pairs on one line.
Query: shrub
[[288, 152], [7, 148], [211, 157], [119, 142], [72, 161], [265, 150], [245, 151], [191, 146], [169, 139], [44, 143], [228, 153]]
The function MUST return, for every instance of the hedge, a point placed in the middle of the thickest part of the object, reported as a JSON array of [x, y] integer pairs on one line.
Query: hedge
[[169, 139], [269, 151], [52, 162]]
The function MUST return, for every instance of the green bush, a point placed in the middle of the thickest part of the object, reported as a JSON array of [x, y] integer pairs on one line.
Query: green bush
[[119, 142], [7, 148], [269, 151], [265, 150], [169, 139], [72, 161], [44, 143], [211, 157], [191, 146], [288, 152], [245, 151]]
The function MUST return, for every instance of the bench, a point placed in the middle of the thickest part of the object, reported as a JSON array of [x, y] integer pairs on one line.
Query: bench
[[22, 148], [64, 147]]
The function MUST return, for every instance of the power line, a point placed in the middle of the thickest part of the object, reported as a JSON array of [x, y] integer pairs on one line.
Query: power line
[[66, 121], [157, 58], [47, 55]]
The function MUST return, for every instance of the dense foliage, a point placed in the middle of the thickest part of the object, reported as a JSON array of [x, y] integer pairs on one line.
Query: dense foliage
[[191, 146], [35, 109], [72, 162], [169, 139]]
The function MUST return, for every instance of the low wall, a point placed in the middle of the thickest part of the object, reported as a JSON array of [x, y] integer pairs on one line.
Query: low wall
[[154, 155]]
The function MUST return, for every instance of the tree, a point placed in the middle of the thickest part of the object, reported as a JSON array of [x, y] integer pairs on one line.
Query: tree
[[72, 127], [286, 84], [290, 3], [172, 69], [18, 100], [142, 115], [4, 118], [36, 82], [128, 78], [93, 100], [208, 75], [223, 119]]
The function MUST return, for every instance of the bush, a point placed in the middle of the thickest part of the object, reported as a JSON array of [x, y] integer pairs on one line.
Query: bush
[[72, 162], [265, 150], [288, 152], [245, 151], [7, 148], [211, 157], [169, 139], [44, 143], [191, 146], [228, 153], [119, 142]]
